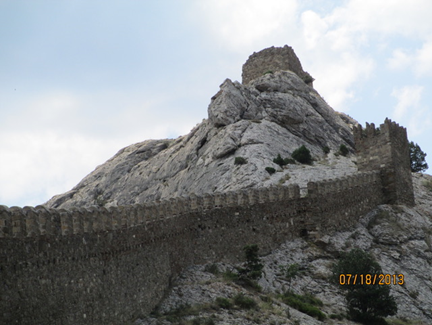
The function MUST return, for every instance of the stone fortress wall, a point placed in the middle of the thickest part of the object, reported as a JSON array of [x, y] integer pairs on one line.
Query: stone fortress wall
[[386, 148], [107, 266], [273, 59]]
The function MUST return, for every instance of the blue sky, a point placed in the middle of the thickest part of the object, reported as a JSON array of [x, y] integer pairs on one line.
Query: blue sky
[[82, 79]]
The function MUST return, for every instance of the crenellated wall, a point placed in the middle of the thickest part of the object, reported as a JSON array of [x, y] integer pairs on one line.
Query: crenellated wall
[[109, 266], [99, 266], [386, 149]]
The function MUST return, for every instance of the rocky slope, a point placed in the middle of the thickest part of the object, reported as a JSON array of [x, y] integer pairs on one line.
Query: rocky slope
[[400, 238], [274, 114]]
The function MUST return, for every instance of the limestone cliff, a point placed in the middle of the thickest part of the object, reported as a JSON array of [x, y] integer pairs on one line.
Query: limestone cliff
[[274, 114]]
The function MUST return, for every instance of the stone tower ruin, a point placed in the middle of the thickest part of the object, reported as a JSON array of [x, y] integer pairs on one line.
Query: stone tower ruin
[[273, 59], [386, 149]]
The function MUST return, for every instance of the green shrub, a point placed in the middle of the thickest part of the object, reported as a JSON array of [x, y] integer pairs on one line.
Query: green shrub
[[337, 316], [282, 162], [278, 160], [343, 150], [326, 150], [267, 72], [309, 299], [240, 161], [288, 161], [270, 170], [313, 312], [230, 276], [367, 303], [251, 270], [302, 155], [223, 303], [244, 302], [202, 321], [308, 78], [305, 304]]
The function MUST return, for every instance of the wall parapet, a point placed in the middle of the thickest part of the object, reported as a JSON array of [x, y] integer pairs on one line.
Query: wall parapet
[[16, 222]]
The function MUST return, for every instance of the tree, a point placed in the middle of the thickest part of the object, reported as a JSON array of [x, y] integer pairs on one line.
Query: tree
[[367, 302], [252, 267], [278, 160], [417, 158]]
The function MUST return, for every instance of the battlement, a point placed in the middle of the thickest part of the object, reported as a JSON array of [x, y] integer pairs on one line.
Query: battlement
[[63, 261], [273, 59], [386, 149], [16, 222]]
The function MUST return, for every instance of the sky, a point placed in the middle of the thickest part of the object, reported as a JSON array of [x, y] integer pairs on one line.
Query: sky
[[79, 80]]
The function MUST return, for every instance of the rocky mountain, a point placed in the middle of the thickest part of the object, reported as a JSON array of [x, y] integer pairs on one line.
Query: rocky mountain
[[399, 238], [274, 114]]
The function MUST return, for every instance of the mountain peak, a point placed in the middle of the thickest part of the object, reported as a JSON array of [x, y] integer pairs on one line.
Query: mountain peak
[[274, 59], [274, 113]]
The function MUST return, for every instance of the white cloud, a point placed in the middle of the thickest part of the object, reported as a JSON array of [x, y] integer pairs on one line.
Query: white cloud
[[336, 78], [334, 56], [420, 122], [409, 109], [52, 140], [388, 17], [240, 25], [340, 43], [419, 61], [334, 46], [400, 60], [408, 98], [50, 165], [314, 27], [424, 60]]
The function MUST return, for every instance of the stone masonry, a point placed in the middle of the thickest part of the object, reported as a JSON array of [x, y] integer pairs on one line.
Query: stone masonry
[[273, 59], [386, 149], [110, 266]]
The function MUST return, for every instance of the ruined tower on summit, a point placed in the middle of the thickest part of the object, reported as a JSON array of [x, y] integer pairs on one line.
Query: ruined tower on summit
[[273, 59], [386, 149]]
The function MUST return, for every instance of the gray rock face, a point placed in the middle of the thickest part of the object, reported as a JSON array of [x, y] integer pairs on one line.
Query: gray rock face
[[273, 114], [397, 236]]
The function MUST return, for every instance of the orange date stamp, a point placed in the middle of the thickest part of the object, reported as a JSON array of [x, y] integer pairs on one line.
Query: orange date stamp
[[371, 279]]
